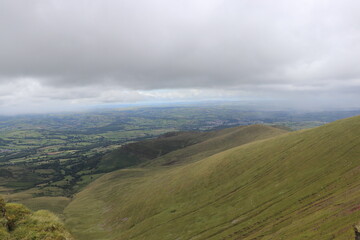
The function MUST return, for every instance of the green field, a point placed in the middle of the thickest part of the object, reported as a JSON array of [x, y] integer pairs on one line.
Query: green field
[[299, 185]]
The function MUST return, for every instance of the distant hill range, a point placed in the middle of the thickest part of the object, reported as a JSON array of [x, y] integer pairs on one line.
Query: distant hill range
[[250, 182]]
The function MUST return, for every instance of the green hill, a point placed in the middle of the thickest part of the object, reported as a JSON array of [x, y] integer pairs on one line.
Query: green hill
[[215, 142], [139, 152], [299, 185], [206, 143]]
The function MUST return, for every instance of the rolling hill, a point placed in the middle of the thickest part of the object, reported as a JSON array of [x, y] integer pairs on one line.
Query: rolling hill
[[167, 149], [298, 185]]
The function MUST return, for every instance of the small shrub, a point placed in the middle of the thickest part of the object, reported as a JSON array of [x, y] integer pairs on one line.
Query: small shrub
[[18, 223], [14, 213]]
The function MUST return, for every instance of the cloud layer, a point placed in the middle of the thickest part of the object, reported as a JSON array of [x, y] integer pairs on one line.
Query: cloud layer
[[123, 50]]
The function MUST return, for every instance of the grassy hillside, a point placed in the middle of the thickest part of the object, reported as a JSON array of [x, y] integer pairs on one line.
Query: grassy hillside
[[168, 149], [138, 152], [300, 185], [215, 142], [50, 196], [201, 145]]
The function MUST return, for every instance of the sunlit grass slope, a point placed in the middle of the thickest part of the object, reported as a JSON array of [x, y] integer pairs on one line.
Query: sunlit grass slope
[[300, 185], [139, 152], [215, 142], [168, 148]]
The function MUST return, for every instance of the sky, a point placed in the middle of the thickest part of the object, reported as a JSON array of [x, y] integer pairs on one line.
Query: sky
[[69, 55]]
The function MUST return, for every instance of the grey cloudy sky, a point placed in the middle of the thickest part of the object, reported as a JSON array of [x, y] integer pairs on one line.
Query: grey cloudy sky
[[62, 55]]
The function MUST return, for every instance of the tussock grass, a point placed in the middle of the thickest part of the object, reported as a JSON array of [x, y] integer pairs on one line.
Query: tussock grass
[[17, 222]]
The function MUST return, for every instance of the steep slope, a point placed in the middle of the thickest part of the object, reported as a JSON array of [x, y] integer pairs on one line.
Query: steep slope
[[139, 152], [201, 142], [300, 185], [217, 141]]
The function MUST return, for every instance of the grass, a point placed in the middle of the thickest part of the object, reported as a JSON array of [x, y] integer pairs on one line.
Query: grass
[[299, 185], [19, 223], [168, 148], [139, 152], [53, 204], [200, 144], [217, 141]]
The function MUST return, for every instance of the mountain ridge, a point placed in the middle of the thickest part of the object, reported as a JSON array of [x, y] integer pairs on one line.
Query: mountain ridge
[[166, 147], [287, 187]]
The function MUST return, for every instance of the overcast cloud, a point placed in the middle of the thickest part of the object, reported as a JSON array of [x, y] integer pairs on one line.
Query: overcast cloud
[[88, 52]]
